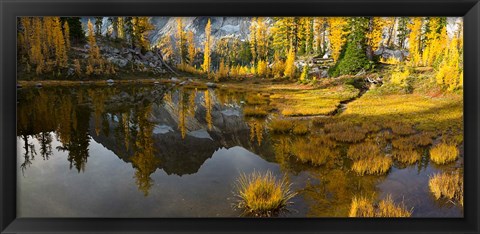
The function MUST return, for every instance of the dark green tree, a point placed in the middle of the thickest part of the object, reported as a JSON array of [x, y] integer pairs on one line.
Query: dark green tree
[[77, 34], [353, 57]]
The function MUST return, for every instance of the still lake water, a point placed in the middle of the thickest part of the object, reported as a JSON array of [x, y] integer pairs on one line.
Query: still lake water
[[157, 151]]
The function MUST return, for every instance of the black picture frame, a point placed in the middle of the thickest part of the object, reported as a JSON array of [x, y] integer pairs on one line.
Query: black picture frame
[[9, 10]]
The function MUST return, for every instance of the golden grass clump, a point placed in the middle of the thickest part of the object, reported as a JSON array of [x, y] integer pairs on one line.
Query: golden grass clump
[[345, 132], [320, 121], [407, 156], [372, 165], [262, 195], [371, 127], [447, 185], [256, 111], [443, 153], [300, 128], [413, 141], [363, 150], [281, 125], [363, 207], [316, 151]]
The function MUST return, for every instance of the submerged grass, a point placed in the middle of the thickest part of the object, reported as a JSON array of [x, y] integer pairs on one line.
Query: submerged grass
[[262, 195], [364, 207], [447, 185], [443, 153]]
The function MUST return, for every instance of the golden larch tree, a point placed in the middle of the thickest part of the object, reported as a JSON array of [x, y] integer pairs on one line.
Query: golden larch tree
[[191, 47], [206, 51], [290, 68], [337, 35]]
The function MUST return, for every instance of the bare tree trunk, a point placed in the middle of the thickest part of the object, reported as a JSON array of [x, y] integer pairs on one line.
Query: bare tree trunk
[[391, 32], [369, 47]]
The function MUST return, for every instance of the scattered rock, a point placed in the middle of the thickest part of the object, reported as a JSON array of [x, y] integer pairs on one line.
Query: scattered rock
[[120, 62], [324, 74], [70, 71], [174, 79], [148, 55], [211, 85]]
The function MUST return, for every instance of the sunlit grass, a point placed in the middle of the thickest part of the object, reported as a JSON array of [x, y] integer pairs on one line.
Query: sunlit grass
[[443, 153], [447, 185], [263, 195], [312, 102], [363, 207], [402, 112]]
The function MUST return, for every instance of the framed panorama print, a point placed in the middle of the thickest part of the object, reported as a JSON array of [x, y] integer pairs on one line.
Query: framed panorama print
[[221, 116]]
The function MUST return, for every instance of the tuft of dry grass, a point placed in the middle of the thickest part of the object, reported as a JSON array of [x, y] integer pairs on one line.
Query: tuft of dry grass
[[361, 207], [281, 125], [363, 150], [407, 156], [400, 128], [443, 153], [316, 151], [447, 185], [300, 128], [386, 208], [262, 195], [413, 141], [372, 165], [344, 131]]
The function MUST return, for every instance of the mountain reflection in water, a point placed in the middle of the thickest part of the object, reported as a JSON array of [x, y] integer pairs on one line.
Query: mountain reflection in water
[[181, 151]]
